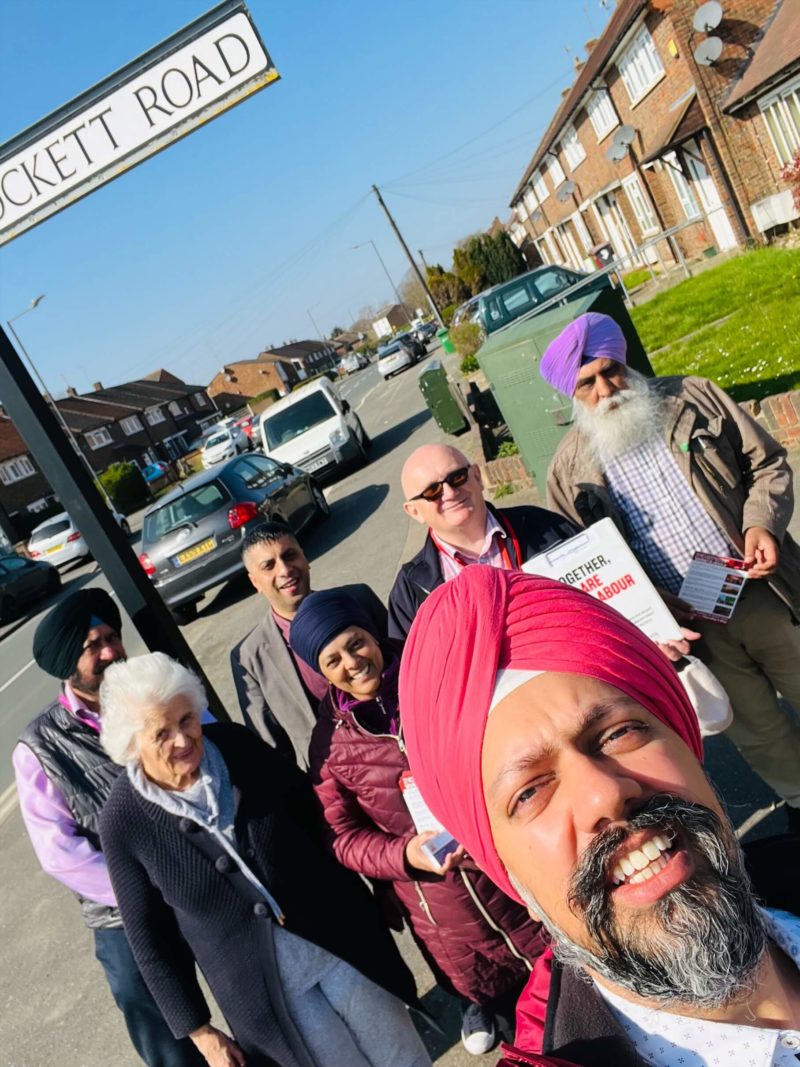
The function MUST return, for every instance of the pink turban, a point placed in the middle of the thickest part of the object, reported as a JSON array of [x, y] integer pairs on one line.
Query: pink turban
[[590, 336], [487, 619]]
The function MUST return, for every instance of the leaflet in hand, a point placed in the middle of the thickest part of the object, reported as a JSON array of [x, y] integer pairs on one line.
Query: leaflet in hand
[[439, 847], [713, 585], [598, 561]]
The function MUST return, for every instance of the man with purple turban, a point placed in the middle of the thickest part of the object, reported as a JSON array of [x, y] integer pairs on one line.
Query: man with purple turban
[[555, 742], [681, 468]]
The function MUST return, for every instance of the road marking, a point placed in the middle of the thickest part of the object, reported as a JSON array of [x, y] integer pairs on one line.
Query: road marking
[[14, 677]]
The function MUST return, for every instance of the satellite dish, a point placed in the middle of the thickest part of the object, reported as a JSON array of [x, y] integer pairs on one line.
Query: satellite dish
[[565, 191], [625, 135], [617, 152], [707, 53], [707, 17]]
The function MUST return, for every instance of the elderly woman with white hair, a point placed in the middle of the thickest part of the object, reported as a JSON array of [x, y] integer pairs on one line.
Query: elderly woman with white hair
[[214, 848]]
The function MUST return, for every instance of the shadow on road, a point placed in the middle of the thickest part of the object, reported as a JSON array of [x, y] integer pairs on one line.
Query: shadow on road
[[385, 442], [346, 516], [238, 588]]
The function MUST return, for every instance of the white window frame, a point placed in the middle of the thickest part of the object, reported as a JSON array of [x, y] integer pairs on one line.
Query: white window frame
[[642, 208], [520, 211], [782, 125], [582, 231], [154, 416], [131, 424], [539, 186], [16, 470], [175, 408], [97, 438], [530, 201], [640, 66], [680, 184], [602, 113], [571, 146], [555, 170], [518, 234]]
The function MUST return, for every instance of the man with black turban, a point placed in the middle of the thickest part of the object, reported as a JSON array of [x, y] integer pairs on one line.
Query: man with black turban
[[63, 779]]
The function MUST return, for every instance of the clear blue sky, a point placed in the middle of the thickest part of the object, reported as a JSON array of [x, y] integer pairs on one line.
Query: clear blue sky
[[221, 244]]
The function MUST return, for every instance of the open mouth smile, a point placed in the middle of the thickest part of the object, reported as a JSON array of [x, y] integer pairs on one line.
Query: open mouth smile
[[643, 863]]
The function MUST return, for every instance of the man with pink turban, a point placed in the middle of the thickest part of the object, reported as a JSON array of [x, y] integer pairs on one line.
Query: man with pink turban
[[555, 742], [681, 468]]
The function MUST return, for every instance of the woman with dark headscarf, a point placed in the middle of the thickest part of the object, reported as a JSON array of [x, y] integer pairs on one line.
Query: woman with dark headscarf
[[479, 944]]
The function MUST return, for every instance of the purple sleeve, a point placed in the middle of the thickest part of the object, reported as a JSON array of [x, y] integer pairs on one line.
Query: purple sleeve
[[60, 849]]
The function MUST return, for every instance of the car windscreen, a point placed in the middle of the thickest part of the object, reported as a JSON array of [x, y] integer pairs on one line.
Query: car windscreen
[[389, 350], [51, 530], [218, 439], [190, 508], [295, 419]]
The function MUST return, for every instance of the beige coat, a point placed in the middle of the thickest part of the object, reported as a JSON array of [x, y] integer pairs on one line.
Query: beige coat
[[738, 472]]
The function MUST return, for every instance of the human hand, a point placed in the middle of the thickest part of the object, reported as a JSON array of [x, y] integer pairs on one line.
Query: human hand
[[418, 859], [761, 552], [678, 646], [681, 611], [216, 1048]]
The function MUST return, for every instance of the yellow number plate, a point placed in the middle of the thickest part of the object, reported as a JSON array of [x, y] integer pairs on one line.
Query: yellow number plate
[[53, 548], [195, 552]]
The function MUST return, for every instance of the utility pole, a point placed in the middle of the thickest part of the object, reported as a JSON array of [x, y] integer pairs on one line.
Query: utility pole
[[424, 261], [411, 260]]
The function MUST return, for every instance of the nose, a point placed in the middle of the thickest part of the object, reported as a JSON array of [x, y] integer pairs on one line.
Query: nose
[[351, 662], [109, 653], [603, 793], [603, 387]]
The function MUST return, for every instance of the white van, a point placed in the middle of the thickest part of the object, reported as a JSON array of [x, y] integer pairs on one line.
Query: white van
[[315, 429]]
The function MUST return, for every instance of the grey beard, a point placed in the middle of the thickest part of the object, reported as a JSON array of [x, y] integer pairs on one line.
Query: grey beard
[[639, 416], [700, 946]]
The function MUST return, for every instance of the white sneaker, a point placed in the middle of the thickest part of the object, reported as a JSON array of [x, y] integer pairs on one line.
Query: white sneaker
[[477, 1030]]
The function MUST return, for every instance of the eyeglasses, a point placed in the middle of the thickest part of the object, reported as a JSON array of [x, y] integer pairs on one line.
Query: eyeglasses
[[454, 479]]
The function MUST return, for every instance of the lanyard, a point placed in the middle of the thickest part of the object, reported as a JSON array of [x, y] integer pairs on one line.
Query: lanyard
[[508, 563]]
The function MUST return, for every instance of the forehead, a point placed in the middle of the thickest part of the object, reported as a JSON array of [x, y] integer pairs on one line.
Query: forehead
[[597, 366], [99, 633], [271, 550], [171, 710], [343, 639], [433, 467]]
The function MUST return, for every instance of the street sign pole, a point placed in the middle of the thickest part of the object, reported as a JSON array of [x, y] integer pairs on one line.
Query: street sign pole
[[29, 412]]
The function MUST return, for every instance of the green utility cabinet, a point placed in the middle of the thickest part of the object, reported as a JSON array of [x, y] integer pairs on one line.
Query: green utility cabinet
[[442, 399], [537, 415]]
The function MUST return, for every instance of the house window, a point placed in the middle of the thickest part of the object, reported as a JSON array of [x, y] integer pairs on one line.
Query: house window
[[601, 113], [97, 438], [640, 66], [529, 200], [539, 186], [555, 170], [200, 399], [131, 425], [781, 113], [175, 408], [572, 148], [154, 416], [14, 470], [518, 234], [648, 223], [522, 214], [582, 231], [682, 188]]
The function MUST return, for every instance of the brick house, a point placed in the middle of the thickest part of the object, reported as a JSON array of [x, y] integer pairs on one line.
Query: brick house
[[279, 368], [388, 320], [24, 491], [648, 138]]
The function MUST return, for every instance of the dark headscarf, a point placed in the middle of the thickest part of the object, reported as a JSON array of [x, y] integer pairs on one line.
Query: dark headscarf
[[321, 617], [58, 641]]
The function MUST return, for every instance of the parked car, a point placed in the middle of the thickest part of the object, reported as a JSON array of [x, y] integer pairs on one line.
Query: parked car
[[192, 538], [248, 425], [315, 429], [351, 362], [223, 444], [23, 581], [154, 471], [499, 306], [416, 347], [466, 312], [392, 358], [59, 541]]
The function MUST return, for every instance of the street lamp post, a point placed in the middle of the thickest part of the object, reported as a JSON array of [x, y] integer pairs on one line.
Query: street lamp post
[[400, 300]]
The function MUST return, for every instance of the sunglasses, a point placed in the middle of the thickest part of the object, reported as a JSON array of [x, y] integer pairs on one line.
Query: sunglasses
[[454, 479]]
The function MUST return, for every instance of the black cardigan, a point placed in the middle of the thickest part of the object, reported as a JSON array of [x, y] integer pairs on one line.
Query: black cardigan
[[182, 899]]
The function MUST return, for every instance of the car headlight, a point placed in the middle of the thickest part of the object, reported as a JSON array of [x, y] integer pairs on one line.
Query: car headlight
[[338, 440]]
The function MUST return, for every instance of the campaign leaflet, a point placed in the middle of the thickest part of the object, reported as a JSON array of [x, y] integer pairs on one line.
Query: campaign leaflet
[[437, 848], [713, 585], [598, 561]]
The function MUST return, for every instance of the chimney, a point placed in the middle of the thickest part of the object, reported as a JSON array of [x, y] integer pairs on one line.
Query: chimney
[[97, 386], [566, 92], [71, 391], [579, 64], [590, 45]]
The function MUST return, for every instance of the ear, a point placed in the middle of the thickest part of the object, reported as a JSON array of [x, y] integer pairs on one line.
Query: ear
[[252, 580], [478, 476], [411, 509]]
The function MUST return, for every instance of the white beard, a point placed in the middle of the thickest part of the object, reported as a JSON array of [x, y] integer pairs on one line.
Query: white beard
[[621, 422]]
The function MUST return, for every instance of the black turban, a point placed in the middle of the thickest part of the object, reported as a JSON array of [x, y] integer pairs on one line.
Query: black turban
[[320, 618], [58, 641]]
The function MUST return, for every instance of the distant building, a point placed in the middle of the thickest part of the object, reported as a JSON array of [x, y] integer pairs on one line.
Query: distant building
[[389, 319], [279, 369]]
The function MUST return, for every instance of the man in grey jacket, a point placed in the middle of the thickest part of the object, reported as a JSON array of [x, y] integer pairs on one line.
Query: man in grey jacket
[[279, 694], [681, 468]]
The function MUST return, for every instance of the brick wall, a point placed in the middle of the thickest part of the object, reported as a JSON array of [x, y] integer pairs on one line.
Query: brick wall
[[249, 379], [779, 415]]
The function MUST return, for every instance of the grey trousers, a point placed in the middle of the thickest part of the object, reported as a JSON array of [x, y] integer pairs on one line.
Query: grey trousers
[[756, 655]]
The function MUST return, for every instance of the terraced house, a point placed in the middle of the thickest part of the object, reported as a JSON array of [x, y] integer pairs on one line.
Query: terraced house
[[680, 114]]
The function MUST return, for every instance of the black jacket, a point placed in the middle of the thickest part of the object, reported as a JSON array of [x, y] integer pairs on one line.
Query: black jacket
[[535, 530], [177, 887]]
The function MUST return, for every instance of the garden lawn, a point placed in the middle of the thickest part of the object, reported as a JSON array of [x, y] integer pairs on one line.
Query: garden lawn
[[755, 351]]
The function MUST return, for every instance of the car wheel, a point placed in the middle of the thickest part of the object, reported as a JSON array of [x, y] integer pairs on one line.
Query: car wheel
[[321, 504], [125, 527], [185, 613], [8, 609], [366, 440]]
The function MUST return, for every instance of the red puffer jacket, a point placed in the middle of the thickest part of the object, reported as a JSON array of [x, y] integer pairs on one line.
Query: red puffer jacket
[[469, 931]]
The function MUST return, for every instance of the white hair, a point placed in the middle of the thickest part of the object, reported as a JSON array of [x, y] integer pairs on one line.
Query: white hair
[[132, 688], [620, 422]]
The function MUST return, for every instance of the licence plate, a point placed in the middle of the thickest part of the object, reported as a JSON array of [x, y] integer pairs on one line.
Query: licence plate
[[195, 552], [53, 548], [317, 465]]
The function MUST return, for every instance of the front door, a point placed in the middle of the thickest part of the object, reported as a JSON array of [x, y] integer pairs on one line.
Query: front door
[[706, 190]]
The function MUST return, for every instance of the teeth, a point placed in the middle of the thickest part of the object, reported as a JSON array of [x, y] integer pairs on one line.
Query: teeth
[[638, 859], [651, 850], [642, 863], [626, 865]]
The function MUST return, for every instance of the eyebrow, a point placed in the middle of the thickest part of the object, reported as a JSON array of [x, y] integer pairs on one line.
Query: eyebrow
[[538, 754]]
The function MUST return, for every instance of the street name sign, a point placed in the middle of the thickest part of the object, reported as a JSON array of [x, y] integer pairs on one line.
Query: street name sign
[[190, 78]]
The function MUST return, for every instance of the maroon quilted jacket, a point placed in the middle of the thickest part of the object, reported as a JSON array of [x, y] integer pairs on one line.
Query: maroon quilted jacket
[[479, 942]]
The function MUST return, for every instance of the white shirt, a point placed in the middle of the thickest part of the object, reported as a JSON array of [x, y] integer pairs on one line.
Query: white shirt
[[667, 1040]]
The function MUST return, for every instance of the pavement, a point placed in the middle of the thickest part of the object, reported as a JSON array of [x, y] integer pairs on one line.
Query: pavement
[[55, 1007]]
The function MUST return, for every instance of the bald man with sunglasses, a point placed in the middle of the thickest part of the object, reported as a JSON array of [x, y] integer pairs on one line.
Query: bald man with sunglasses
[[444, 492]]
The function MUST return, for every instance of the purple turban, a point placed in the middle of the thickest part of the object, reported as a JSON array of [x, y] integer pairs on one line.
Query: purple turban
[[590, 336]]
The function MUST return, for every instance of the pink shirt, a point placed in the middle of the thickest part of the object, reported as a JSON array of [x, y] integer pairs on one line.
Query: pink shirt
[[315, 683], [453, 560]]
